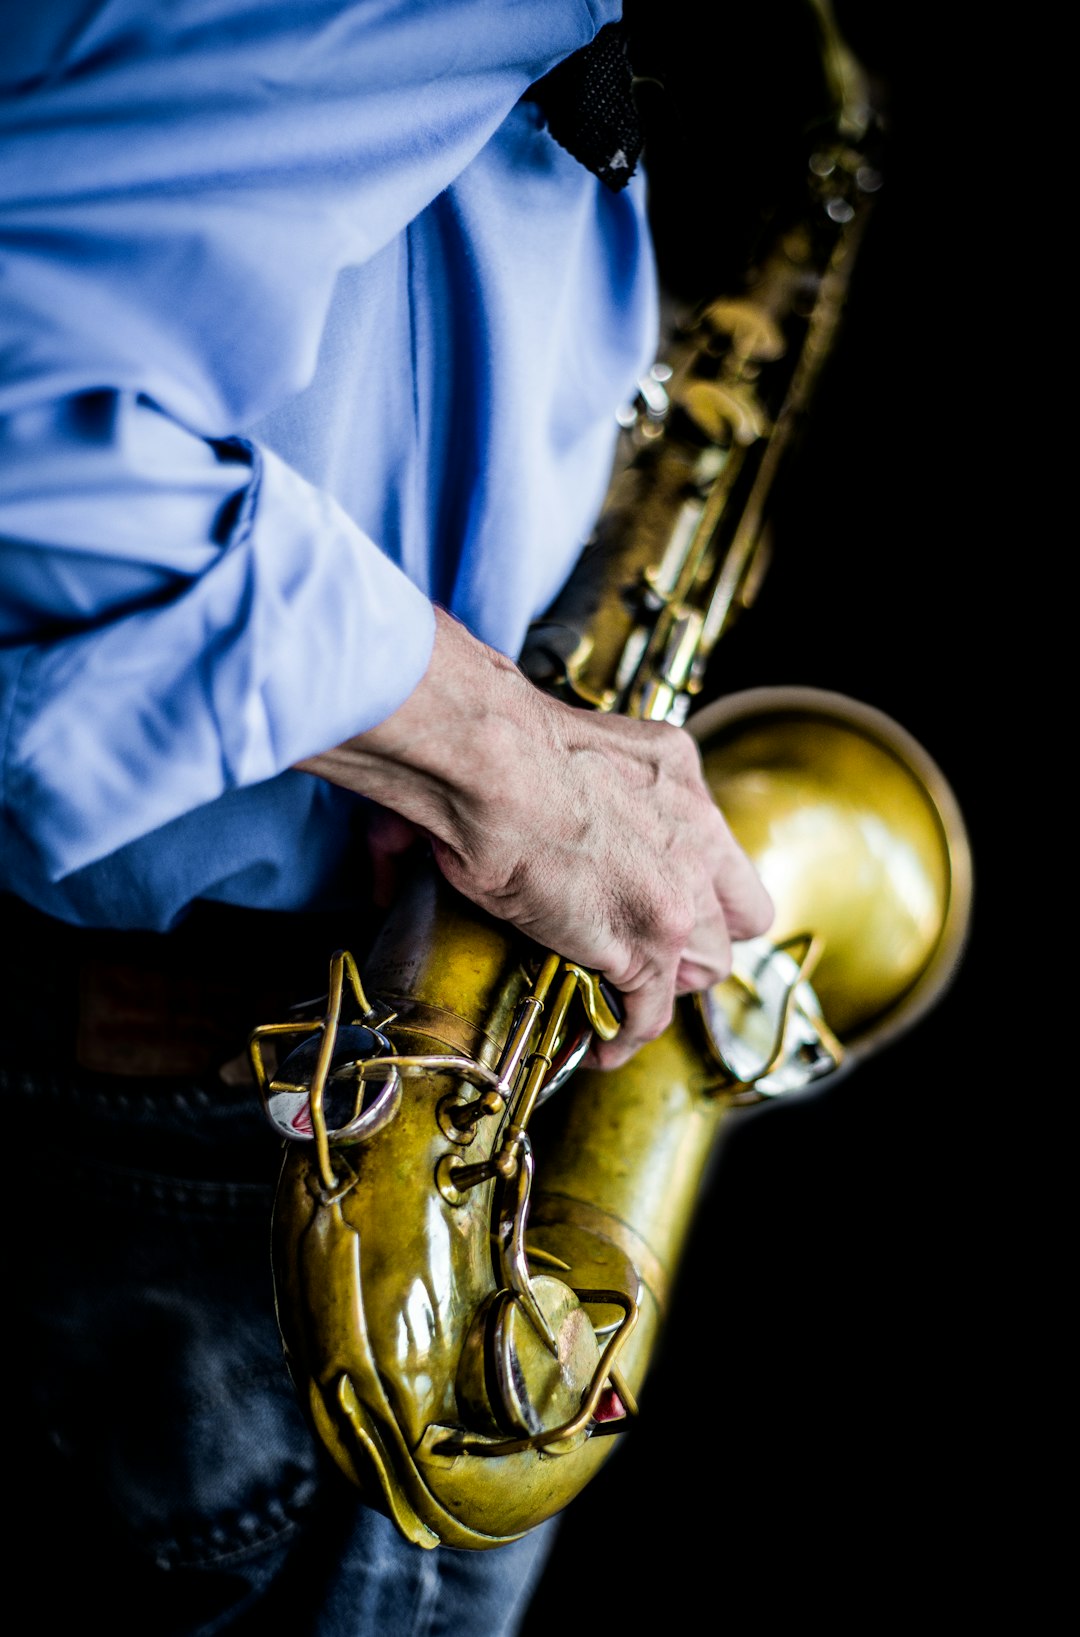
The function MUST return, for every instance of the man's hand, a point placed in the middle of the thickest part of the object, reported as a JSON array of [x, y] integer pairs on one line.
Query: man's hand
[[595, 835]]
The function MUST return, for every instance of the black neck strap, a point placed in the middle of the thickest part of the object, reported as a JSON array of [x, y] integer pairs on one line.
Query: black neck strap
[[588, 103]]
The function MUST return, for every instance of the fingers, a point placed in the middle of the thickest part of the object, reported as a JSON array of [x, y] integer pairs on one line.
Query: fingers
[[598, 839], [745, 911], [648, 1013], [738, 906], [691, 977], [747, 907]]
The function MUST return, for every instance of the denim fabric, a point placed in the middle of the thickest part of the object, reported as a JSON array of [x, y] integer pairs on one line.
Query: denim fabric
[[163, 1477]]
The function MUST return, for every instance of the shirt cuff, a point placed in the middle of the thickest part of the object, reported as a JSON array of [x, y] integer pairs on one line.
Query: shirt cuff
[[300, 634]]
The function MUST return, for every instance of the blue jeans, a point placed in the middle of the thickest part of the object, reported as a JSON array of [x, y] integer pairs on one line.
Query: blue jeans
[[161, 1473]]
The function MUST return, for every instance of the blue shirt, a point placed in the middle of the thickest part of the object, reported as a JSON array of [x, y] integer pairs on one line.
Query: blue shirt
[[306, 321]]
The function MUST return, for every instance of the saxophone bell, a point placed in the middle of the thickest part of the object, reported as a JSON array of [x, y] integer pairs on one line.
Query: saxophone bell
[[471, 1299]]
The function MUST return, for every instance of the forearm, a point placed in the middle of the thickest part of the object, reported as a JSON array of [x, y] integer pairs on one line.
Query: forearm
[[443, 758]]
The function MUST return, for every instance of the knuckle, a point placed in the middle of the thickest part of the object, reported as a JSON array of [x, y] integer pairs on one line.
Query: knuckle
[[649, 1022], [681, 924], [681, 751], [672, 921], [653, 1027], [654, 1030], [498, 882]]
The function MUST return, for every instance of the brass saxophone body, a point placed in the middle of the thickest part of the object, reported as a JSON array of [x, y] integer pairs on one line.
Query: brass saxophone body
[[475, 1239]]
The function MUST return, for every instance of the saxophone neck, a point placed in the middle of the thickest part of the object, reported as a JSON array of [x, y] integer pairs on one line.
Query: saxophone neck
[[679, 549]]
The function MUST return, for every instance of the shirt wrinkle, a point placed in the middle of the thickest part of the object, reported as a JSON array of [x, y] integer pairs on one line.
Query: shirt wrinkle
[[374, 294]]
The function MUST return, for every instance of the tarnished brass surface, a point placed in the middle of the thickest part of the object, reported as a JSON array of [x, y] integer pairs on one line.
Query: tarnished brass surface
[[379, 1289], [472, 1271], [384, 1294]]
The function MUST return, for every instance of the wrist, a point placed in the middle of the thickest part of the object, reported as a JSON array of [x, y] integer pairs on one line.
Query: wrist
[[443, 757]]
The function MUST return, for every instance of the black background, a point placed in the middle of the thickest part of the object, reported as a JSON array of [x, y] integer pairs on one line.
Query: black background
[[825, 1430]]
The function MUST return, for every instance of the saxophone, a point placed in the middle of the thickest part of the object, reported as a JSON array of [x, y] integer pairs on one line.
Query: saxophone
[[474, 1238]]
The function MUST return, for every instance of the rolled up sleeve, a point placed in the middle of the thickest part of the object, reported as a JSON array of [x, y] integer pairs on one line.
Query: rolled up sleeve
[[183, 614], [297, 633]]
